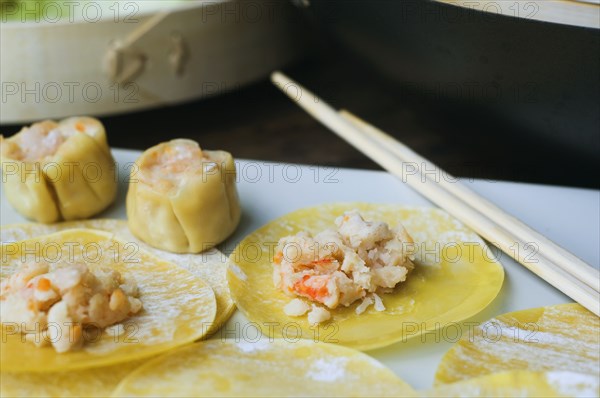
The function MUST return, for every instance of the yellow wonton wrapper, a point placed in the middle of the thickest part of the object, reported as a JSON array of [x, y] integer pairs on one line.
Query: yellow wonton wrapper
[[195, 215], [557, 338], [521, 383], [263, 369], [178, 307], [85, 383], [210, 265], [77, 181], [439, 291]]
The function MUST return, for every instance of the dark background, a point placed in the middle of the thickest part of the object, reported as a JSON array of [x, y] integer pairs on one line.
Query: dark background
[[259, 122]]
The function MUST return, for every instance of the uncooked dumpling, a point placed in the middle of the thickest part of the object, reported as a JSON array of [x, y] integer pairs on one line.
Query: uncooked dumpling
[[59, 171], [262, 368], [181, 198], [556, 338], [454, 278]]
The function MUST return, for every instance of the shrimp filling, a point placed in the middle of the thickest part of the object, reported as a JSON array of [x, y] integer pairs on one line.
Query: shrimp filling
[[57, 304], [356, 262], [41, 140], [166, 167]]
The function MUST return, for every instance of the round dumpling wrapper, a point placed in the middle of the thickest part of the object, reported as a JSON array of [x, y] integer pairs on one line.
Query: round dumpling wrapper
[[262, 368], [178, 307], [556, 338], [521, 383], [210, 265], [85, 383], [445, 286]]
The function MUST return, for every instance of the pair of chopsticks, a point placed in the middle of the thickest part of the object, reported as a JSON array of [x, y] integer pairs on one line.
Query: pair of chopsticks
[[555, 265]]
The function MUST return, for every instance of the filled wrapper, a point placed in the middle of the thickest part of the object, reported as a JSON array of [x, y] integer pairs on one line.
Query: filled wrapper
[[59, 171], [183, 199]]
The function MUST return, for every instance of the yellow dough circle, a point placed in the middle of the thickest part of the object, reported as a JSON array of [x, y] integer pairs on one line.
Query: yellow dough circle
[[85, 383], [210, 265], [521, 383], [262, 368], [178, 307], [556, 338], [455, 277]]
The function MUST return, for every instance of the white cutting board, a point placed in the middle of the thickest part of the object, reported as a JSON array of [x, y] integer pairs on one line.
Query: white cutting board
[[571, 217]]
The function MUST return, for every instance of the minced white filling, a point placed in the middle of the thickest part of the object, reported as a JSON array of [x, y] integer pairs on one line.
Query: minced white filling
[[317, 315], [358, 261], [296, 307], [53, 305], [167, 167]]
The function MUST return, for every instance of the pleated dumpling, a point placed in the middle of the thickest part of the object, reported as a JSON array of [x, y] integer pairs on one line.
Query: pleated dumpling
[[59, 171], [181, 198]]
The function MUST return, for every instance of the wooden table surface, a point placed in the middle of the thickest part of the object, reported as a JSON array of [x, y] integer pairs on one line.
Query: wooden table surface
[[259, 122]]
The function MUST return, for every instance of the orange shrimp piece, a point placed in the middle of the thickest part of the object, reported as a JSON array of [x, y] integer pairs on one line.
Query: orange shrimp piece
[[43, 285], [278, 257], [324, 261], [314, 287], [176, 167]]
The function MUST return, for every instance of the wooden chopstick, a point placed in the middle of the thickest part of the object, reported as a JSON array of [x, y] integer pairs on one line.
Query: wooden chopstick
[[563, 258], [503, 239]]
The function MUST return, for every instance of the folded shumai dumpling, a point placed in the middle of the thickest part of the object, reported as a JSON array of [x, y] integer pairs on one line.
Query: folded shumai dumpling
[[59, 171], [183, 199]]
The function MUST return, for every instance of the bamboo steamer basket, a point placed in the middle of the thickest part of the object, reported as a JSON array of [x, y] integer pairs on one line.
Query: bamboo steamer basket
[[146, 54]]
